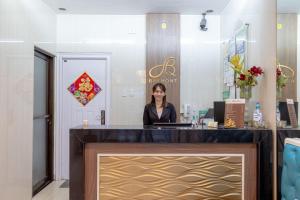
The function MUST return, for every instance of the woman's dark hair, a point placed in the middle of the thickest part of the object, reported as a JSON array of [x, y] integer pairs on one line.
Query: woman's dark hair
[[163, 88]]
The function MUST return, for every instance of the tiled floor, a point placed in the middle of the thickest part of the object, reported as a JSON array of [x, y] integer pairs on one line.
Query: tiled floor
[[53, 192]]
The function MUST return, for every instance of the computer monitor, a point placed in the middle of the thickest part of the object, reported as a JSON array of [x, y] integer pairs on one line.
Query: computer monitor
[[172, 124], [219, 111], [210, 113], [284, 114]]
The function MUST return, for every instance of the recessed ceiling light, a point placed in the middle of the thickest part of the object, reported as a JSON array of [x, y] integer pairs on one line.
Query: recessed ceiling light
[[209, 11], [62, 9]]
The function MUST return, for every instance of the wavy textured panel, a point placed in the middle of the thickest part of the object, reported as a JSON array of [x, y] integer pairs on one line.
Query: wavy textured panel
[[170, 177]]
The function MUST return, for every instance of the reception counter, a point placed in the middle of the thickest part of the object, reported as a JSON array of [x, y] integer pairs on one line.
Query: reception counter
[[136, 162]]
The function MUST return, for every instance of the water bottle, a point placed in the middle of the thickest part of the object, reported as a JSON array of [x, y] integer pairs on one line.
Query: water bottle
[[194, 119], [277, 116], [257, 116]]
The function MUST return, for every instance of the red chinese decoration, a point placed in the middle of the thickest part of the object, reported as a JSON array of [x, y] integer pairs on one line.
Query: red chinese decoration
[[84, 89]]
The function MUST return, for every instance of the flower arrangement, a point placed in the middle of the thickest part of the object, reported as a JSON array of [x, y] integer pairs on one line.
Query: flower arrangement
[[245, 78], [281, 78]]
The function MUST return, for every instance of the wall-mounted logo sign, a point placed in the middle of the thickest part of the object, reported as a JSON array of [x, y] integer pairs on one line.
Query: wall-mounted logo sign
[[84, 89], [167, 68], [165, 72]]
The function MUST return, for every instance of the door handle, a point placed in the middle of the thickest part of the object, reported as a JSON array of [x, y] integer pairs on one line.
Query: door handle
[[41, 117], [102, 118], [49, 121]]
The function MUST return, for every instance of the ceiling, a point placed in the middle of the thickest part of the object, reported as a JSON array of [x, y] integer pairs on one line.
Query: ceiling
[[136, 7], [288, 6]]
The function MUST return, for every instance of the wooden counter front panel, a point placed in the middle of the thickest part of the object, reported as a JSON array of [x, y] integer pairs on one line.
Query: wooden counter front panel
[[170, 171]]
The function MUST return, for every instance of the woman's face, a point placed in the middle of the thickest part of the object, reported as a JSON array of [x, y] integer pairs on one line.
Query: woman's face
[[159, 94]]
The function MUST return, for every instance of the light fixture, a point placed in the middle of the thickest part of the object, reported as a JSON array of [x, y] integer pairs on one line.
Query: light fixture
[[62, 9], [204, 21], [279, 26], [163, 25]]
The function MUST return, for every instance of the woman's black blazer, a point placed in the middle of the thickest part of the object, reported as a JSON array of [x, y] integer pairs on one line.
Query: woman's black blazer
[[150, 114]]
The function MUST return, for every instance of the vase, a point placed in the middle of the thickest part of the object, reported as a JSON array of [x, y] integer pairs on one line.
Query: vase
[[246, 92], [279, 92], [247, 116]]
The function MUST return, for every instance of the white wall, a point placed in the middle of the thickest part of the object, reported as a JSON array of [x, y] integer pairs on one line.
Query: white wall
[[261, 15], [125, 37], [200, 53], [23, 23]]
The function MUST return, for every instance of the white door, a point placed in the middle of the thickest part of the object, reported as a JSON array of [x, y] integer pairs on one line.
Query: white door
[[73, 111]]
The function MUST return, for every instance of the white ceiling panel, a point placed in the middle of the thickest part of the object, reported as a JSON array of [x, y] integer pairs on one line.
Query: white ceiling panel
[[288, 6], [132, 7]]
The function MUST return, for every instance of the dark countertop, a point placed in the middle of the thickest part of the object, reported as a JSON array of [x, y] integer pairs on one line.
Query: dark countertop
[[288, 129], [141, 127], [79, 136]]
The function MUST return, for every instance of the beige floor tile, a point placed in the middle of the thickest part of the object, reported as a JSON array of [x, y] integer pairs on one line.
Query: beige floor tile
[[53, 192]]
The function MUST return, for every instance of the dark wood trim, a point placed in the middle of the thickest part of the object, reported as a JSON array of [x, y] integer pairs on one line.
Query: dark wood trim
[[80, 138], [40, 186], [51, 123], [44, 52], [50, 110]]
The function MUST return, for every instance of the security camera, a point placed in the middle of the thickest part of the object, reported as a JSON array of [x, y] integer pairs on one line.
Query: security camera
[[203, 23]]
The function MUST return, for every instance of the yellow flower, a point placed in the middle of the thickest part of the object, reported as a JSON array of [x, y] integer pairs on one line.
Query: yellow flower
[[236, 62]]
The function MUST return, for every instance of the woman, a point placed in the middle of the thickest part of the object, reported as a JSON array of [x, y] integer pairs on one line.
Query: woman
[[159, 110]]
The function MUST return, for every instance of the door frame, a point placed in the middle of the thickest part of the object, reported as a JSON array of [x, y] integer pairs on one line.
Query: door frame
[[59, 100], [50, 108]]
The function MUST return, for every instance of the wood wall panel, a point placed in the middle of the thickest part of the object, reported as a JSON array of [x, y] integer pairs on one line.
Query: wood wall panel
[[170, 177], [248, 150], [163, 55], [287, 51]]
